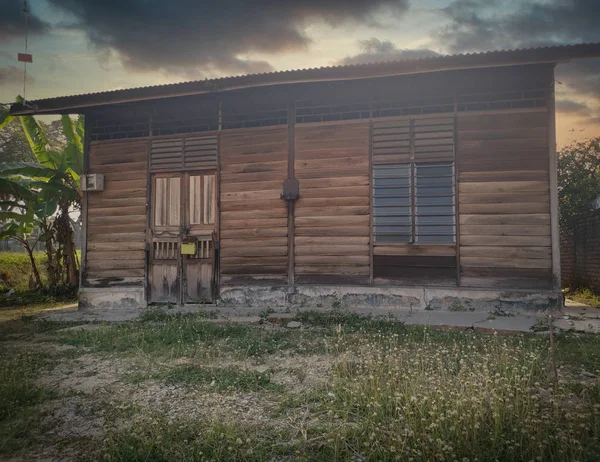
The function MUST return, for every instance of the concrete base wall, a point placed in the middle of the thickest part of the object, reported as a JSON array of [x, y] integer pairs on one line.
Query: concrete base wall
[[112, 298], [385, 300], [252, 300]]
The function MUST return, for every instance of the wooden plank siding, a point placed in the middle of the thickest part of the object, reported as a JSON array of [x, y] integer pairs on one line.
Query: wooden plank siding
[[504, 200], [253, 218], [117, 216], [332, 216]]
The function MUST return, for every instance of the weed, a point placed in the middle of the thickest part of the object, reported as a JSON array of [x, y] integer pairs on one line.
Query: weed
[[264, 314], [457, 307], [585, 295], [541, 325], [351, 322], [336, 305], [500, 313], [219, 379]]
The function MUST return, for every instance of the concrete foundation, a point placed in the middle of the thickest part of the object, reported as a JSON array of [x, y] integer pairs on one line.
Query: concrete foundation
[[112, 298], [251, 300], [386, 300]]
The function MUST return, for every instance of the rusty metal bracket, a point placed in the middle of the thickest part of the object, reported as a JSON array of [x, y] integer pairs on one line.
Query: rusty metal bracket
[[291, 189]]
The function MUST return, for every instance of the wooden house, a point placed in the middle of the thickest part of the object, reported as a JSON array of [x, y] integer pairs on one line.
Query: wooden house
[[418, 183]]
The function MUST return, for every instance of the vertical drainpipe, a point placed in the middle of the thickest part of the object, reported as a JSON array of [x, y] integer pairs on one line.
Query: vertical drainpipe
[[148, 247], [217, 249], [291, 120]]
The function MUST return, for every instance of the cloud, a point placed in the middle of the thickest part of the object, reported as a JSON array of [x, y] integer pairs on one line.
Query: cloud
[[569, 106], [12, 21], [198, 36], [582, 76], [375, 50], [481, 25], [477, 25], [13, 74]]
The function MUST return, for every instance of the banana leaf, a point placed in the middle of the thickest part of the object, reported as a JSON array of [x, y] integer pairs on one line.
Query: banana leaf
[[26, 169], [14, 188], [5, 118], [45, 209], [74, 149], [36, 136]]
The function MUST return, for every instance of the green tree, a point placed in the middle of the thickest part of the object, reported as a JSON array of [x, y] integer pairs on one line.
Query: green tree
[[14, 146], [54, 180], [578, 177]]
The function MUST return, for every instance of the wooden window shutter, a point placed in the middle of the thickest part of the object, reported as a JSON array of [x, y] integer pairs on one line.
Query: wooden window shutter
[[434, 139], [193, 153], [200, 153], [391, 142], [166, 155]]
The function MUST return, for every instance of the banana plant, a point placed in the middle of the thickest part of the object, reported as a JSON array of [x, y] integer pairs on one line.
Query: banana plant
[[54, 181]]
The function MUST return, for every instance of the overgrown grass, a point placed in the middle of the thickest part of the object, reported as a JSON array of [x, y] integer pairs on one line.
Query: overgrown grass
[[389, 392], [153, 437], [15, 269], [486, 397], [579, 351], [20, 398], [401, 397], [27, 327], [585, 295], [213, 378], [191, 335]]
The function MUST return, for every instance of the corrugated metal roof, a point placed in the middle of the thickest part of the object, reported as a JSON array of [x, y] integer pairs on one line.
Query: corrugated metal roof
[[79, 103]]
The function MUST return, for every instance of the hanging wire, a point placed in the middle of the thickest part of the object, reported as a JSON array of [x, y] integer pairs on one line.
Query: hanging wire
[[26, 11]]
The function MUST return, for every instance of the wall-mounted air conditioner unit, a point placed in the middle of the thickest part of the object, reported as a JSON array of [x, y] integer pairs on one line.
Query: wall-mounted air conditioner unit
[[92, 182]]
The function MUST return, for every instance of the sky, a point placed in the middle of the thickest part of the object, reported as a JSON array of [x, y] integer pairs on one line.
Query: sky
[[82, 46]]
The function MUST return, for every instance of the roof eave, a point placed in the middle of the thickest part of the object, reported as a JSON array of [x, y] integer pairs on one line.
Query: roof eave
[[80, 103]]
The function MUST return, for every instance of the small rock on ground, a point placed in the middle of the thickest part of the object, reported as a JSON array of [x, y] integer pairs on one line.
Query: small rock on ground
[[294, 325]]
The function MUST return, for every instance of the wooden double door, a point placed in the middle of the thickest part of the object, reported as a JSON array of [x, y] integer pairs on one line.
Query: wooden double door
[[182, 238]]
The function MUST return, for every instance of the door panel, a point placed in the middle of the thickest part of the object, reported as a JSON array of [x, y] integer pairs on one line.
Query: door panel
[[199, 268], [199, 272], [184, 210]]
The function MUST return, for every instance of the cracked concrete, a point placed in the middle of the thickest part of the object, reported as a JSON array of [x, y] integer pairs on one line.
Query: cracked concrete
[[574, 317]]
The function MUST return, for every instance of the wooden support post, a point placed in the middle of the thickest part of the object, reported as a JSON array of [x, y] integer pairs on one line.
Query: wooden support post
[[456, 201], [554, 225], [291, 120], [217, 247], [371, 194], [148, 247], [413, 174]]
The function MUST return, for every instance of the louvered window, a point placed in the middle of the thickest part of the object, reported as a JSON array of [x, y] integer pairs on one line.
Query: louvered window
[[193, 153], [413, 181]]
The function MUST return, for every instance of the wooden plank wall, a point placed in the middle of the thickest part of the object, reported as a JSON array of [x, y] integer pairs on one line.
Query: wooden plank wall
[[504, 200], [116, 230], [332, 215], [253, 217]]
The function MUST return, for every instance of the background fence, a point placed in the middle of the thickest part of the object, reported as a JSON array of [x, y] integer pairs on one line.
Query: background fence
[[580, 251]]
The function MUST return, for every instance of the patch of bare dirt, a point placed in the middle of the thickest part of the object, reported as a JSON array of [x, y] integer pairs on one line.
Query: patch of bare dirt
[[93, 396]]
